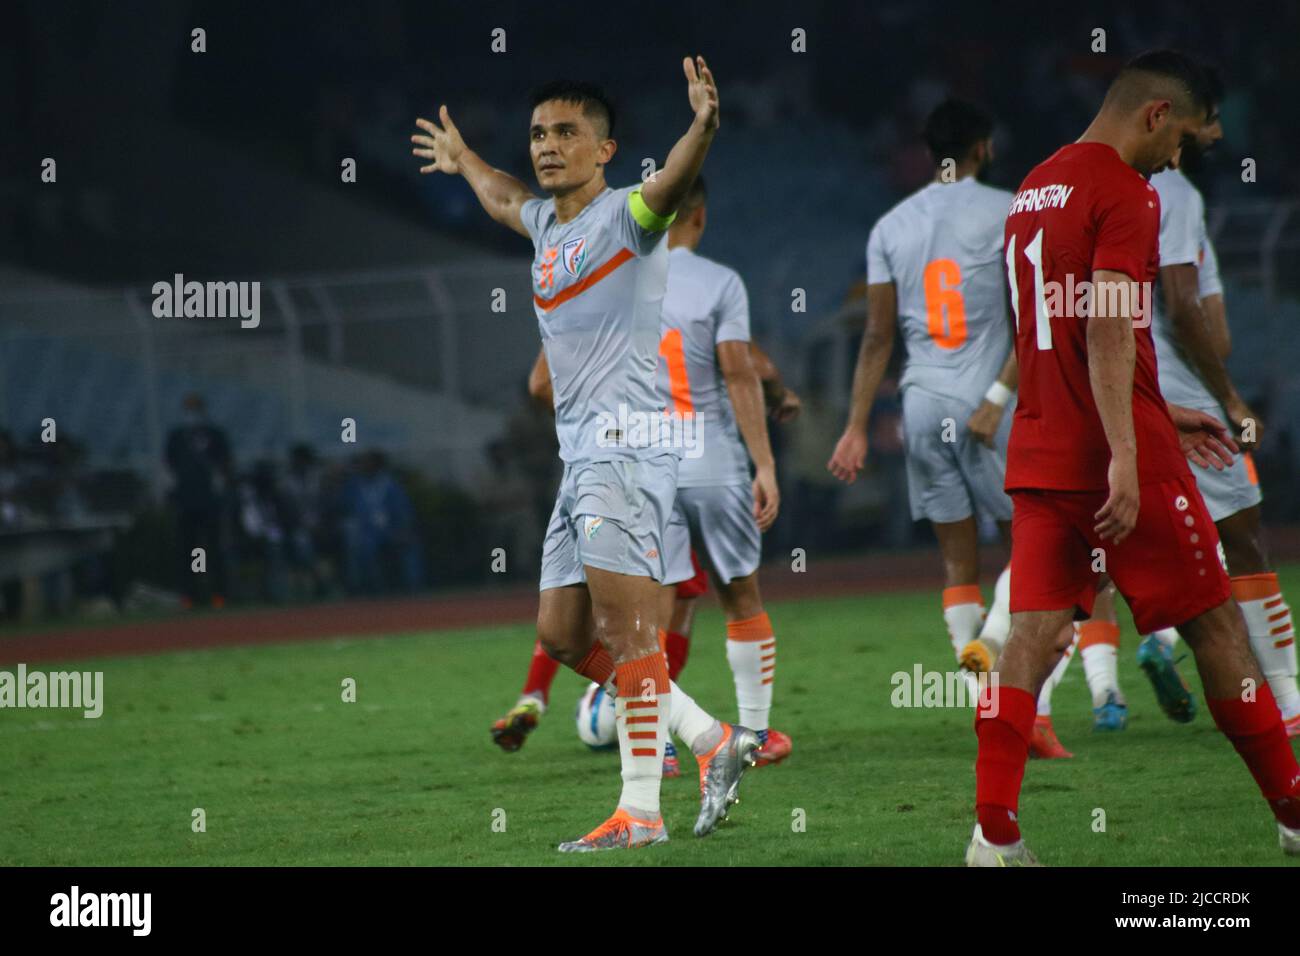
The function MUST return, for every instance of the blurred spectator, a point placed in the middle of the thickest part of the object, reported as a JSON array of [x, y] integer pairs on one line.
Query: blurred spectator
[[507, 497], [198, 460], [814, 492], [12, 516], [528, 456], [379, 528], [302, 496], [261, 525]]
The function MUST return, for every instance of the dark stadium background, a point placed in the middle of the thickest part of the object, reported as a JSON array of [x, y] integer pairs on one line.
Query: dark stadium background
[[225, 166]]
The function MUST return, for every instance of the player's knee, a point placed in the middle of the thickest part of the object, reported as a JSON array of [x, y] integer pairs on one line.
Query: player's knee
[[559, 643], [1245, 555], [740, 598], [1061, 641], [1220, 627]]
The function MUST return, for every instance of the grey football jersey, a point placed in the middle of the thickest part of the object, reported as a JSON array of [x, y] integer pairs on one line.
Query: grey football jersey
[[942, 249], [598, 285], [1182, 239], [1208, 274], [706, 304]]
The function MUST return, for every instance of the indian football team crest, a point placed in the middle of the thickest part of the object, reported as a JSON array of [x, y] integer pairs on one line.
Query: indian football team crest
[[574, 255]]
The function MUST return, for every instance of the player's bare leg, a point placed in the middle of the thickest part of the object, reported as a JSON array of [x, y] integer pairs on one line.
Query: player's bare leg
[[723, 751], [624, 612], [681, 624], [977, 637], [1268, 618], [1043, 743], [1244, 709], [1268, 622], [676, 641], [751, 652], [681, 619], [1004, 724], [564, 635], [979, 655], [510, 731], [1099, 647], [1155, 655], [963, 605]]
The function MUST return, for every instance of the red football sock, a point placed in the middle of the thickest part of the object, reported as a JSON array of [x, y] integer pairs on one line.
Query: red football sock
[[677, 647], [597, 665], [1255, 729], [541, 673], [1003, 724]]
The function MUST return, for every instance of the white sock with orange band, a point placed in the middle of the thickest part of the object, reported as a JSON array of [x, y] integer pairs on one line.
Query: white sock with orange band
[[1272, 636], [997, 625], [642, 711], [1166, 636], [691, 723], [1099, 647], [963, 612], [1054, 678], [751, 652]]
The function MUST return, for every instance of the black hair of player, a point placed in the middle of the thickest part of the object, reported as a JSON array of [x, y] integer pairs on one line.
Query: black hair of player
[[1212, 78], [954, 127], [1175, 65], [695, 197], [596, 105]]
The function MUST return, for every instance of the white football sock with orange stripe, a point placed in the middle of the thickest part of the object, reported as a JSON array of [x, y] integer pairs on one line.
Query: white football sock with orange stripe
[[691, 723], [1272, 636], [1099, 646], [751, 652], [642, 712], [997, 625], [1054, 678], [963, 612]]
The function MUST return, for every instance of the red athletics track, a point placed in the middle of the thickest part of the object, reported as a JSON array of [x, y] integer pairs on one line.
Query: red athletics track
[[831, 577]]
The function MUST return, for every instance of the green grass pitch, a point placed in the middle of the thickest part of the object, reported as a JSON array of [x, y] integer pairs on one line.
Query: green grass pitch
[[288, 773]]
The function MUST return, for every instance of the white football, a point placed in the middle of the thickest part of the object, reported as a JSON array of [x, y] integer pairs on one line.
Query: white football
[[595, 719]]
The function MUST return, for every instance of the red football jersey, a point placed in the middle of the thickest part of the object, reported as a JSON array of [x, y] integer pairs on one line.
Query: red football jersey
[[1081, 210]]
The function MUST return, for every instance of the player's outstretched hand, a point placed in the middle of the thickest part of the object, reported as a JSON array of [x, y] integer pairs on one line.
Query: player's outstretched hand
[[702, 92], [767, 499], [1205, 440], [442, 144], [1118, 516], [789, 407], [984, 423], [850, 455]]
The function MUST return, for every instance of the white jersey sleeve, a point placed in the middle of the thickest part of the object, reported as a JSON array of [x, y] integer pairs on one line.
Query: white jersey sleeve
[[640, 227], [1182, 222], [733, 312], [1182, 238], [878, 270], [1210, 283], [530, 213]]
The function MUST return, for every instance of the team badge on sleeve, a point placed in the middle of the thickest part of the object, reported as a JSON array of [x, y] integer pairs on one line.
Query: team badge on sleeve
[[574, 255]]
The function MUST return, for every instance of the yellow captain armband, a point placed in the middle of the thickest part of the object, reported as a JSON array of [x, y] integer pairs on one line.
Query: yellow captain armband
[[647, 218]]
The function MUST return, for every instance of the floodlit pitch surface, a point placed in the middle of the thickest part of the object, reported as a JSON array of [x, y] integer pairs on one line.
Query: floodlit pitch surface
[[287, 772]]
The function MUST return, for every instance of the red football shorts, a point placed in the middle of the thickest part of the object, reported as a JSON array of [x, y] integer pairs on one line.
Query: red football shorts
[[694, 587], [1170, 569]]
